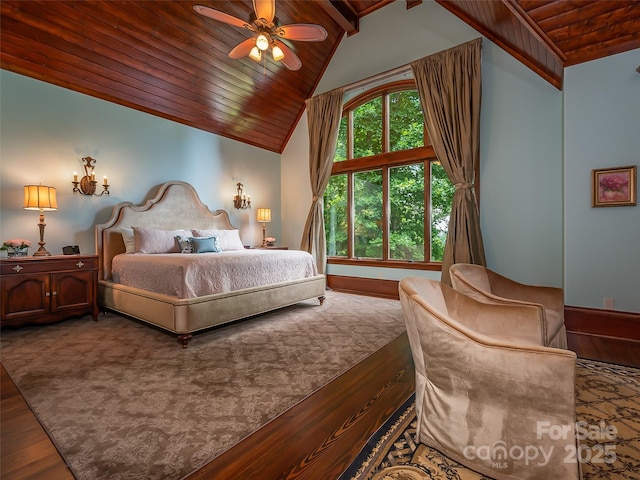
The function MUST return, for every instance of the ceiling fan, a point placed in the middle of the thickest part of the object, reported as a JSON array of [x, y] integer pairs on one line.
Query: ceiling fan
[[267, 33]]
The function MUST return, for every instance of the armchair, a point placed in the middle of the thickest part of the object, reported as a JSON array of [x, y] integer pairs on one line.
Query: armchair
[[490, 287], [490, 397]]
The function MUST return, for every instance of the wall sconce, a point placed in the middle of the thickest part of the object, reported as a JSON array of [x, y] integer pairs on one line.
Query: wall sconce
[[240, 200], [88, 181], [264, 216], [40, 197]]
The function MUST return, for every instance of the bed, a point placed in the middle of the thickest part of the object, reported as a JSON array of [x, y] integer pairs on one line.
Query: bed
[[184, 309]]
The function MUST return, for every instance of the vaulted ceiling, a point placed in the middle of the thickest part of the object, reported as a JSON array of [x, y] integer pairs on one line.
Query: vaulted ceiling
[[162, 58]]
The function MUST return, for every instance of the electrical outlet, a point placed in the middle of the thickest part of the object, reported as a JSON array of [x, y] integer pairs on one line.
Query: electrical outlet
[[608, 303]]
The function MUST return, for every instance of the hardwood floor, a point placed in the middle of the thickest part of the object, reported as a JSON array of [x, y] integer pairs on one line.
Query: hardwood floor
[[316, 439]]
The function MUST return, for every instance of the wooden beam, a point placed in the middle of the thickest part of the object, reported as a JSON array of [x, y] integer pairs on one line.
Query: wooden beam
[[535, 30], [342, 14]]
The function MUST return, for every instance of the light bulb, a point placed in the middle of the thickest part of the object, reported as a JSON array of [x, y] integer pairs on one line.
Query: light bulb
[[262, 42], [255, 54], [277, 53]]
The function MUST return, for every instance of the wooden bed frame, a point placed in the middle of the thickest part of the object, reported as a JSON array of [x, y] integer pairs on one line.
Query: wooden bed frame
[[178, 206]]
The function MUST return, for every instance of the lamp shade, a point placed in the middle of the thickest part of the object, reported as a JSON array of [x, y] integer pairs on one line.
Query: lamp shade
[[262, 42], [277, 53], [264, 214], [40, 197]]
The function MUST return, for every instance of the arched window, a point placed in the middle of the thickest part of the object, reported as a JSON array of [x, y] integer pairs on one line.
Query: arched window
[[388, 200]]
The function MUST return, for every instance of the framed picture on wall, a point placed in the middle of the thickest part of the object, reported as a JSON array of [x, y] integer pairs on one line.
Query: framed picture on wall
[[613, 187]]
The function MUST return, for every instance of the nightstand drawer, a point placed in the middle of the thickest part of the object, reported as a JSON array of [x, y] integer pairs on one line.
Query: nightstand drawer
[[26, 265]]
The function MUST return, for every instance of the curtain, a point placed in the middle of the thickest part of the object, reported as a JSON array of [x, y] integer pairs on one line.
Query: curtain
[[324, 113], [449, 86]]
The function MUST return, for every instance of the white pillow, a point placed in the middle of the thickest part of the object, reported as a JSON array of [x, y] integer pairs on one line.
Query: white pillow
[[148, 240], [129, 240], [227, 239]]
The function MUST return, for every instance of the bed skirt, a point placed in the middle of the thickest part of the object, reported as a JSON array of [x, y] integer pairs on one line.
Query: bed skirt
[[186, 316]]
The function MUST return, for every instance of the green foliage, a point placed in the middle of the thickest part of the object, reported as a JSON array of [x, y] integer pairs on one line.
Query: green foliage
[[335, 216], [367, 129], [406, 199], [441, 199], [341, 148], [367, 228], [406, 120]]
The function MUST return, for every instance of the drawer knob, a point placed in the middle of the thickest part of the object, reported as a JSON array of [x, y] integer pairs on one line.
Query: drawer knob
[[80, 264], [17, 268]]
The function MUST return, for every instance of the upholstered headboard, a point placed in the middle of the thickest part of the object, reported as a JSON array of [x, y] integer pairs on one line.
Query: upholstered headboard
[[176, 206]]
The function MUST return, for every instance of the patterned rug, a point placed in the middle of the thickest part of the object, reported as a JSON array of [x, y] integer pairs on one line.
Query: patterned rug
[[122, 400], [607, 395]]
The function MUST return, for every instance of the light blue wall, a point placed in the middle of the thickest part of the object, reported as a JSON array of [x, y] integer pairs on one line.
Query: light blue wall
[[521, 142], [46, 130], [602, 129]]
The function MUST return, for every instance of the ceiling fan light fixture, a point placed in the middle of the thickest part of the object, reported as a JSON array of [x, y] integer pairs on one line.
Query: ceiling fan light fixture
[[277, 53], [262, 42], [255, 54]]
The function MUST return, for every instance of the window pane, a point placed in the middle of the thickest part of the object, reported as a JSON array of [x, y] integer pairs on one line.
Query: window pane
[[441, 198], [367, 199], [335, 216], [367, 129], [341, 149], [406, 229], [406, 123]]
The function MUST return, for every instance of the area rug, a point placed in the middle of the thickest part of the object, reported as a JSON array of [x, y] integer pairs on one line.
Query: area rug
[[604, 393], [122, 400]]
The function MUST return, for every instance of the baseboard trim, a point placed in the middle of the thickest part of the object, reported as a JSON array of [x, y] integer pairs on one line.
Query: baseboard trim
[[374, 287], [604, 335]]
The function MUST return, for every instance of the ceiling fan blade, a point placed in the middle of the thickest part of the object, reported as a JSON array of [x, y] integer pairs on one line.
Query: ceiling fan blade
[[243, 48], [220, 16], [304, 32], [290, 59], [265, 9]]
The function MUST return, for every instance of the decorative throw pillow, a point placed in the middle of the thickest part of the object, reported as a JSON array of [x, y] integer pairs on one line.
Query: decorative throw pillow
[[205, 244], [148, 240], [129, 240], [185, 244], [227, 239]]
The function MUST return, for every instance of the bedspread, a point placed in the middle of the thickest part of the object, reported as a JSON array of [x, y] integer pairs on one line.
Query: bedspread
[[186, 275]]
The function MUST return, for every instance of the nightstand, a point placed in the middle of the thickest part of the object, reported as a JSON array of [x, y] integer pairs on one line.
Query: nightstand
[[274, 247], [47, 289]]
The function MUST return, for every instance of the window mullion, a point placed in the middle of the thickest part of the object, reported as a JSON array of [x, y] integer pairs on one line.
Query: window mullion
[[385, 123], [385, 213], [427, 211], [350, 215], [350, 135]]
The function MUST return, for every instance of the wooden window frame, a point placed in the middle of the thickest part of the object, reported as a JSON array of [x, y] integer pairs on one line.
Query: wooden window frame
[[384, 162]]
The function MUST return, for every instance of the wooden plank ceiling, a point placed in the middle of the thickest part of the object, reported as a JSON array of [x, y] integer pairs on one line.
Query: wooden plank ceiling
[[162, 58]]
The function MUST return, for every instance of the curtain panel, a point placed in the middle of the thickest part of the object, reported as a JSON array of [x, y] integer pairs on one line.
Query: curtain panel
[[324, 113], [449, 86]]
